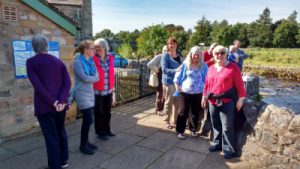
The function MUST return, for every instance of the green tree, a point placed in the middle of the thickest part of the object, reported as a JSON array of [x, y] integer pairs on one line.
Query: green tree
[[293, 17], [151, 40], [105, 33], [201, 34], [223, 33], [285, 35], [260, 32], [125, 50], [182, 37], [242, 33]]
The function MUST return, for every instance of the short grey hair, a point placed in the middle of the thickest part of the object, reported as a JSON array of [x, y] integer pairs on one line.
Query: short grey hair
[[102, 43], [39, 44]]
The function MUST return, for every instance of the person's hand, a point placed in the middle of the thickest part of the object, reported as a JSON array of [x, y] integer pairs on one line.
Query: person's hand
[[60, 107], [113, 99], [55, 103], [203, 103], [178, 88], [239, 103]]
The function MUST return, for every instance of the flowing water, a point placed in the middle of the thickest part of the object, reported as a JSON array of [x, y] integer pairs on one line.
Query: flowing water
[[281, 93]]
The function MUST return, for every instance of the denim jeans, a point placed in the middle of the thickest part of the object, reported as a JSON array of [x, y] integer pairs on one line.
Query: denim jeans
[[222, 119], [87, 121]]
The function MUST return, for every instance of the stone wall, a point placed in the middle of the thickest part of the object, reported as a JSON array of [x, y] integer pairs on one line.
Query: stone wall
[[271, 136], [16, 95]]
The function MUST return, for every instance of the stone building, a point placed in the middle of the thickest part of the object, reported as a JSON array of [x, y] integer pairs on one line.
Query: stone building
[[20, 20], [79, 11]]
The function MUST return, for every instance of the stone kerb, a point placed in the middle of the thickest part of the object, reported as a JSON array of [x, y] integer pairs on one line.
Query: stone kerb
[[271, 135]]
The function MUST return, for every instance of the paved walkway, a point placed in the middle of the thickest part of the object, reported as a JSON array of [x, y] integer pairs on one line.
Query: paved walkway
[[141, 142]]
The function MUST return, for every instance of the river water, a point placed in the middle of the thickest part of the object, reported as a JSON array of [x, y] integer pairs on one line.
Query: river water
[[281, 93]]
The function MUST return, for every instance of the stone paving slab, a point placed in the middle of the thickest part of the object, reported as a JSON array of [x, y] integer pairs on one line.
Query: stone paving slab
[[197, 144], [82, 161], [6, 154], [117, 143], [161, 141], [178, 158], [29, 160], [136, 157], [141, 131], [25, 144]]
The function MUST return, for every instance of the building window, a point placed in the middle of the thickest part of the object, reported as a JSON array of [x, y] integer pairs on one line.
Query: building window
[[78, 14], [10, 13]]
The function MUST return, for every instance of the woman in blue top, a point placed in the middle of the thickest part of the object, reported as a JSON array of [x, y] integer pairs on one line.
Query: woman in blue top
[[189, 82], [170, 61], [85, 74]]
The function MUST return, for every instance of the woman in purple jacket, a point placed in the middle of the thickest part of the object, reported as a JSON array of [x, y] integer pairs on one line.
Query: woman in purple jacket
[[51, 82]]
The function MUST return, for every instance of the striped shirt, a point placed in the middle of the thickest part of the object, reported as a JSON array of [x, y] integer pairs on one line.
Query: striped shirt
[[105, 66]]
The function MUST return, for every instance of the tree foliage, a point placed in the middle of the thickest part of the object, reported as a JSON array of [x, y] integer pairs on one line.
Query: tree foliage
[[105, 33], [151, 40], [201, 34], [126, 51], [285, 35]]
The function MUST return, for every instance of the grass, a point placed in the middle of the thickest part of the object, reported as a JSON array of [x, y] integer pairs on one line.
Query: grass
[[281, 58]]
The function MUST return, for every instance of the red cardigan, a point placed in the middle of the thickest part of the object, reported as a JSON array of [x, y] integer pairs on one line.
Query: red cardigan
[[111, 79], [220, 82], [207, 57]]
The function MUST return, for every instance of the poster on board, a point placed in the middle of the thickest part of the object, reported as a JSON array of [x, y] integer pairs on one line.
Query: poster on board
[[22, 50]]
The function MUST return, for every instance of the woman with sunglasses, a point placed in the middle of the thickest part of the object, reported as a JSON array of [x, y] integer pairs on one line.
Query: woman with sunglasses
[[223, 83]]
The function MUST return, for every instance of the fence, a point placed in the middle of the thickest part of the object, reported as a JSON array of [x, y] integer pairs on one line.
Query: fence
[[132, 83]]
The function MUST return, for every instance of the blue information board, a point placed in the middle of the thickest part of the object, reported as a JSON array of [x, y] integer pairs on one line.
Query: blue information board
[[22, 50]]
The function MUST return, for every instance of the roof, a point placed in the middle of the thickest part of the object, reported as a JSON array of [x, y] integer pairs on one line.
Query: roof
[[52, 13], [66, 2]]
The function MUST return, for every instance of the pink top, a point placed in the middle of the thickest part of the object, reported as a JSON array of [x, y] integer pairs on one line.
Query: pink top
[[220, 82]]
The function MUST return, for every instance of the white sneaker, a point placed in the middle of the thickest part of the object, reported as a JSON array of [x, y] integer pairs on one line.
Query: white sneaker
[[65, 165], [181, 136], [194, 134]]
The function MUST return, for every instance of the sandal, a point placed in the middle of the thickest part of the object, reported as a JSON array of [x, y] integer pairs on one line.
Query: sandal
[[168, 126]]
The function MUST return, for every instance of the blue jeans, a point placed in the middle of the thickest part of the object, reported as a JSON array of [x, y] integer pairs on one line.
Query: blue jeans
[[222, 119], [87, 121], [53, 128]]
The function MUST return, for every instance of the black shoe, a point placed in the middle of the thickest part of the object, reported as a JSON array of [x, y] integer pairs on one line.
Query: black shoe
[[92, 146], [86, 150], [214, 148], [103, 137], [230, 155], [110, 134]]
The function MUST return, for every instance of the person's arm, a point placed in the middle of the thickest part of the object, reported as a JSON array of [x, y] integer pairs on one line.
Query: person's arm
[[164, 66], [178, 75], [242, 54], [65, 89], [154, 63], [78, 70], [239, 85], [39, 88]]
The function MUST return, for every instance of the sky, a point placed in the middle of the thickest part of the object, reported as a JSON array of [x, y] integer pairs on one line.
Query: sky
[[128, 15]]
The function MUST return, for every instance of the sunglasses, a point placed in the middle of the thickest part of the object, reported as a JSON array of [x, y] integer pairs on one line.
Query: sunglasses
[[220, 53]]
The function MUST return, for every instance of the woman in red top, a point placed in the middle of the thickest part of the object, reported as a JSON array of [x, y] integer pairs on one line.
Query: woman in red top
[[222, 78], [208, 56]]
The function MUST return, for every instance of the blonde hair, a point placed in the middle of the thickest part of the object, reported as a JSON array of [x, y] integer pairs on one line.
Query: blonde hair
[[82, 46], [188, 59]]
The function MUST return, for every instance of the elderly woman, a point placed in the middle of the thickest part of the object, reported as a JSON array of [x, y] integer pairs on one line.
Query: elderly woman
[[222, 82], [189, 82], [154, 66], [85, 75], [170, 61], [103, 89], [51, 89]]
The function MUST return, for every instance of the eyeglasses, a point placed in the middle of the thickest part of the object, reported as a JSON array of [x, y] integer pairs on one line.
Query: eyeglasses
[[91, 48], [220, 53]]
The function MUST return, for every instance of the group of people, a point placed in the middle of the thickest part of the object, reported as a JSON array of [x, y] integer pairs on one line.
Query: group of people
[[210, 80], [203, 80], [93, 92]]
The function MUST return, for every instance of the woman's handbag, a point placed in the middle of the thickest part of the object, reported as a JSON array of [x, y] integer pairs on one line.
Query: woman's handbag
[[153, 80]]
